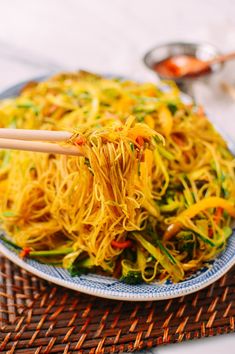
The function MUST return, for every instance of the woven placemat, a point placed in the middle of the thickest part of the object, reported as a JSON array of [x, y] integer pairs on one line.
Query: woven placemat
[[39, 317]]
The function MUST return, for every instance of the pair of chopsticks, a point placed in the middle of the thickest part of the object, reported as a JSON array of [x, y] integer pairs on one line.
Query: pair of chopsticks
[[35, 140]]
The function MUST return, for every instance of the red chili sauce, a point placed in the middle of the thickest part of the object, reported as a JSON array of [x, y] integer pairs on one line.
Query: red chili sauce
[[176, 66]]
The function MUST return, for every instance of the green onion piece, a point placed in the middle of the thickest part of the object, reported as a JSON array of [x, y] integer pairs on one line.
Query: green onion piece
[[175, 270], [8, 213], [2, 237], [165, 250], [50, 252], [165, 153]]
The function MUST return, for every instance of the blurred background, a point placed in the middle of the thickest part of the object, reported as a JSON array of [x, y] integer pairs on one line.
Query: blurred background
[[104, 35], [38, 37]]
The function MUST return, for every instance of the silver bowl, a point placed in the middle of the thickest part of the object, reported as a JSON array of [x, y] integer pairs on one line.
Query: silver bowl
[[202, 51]]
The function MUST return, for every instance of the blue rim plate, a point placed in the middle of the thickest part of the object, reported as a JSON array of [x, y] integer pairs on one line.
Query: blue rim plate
[[111, 288]]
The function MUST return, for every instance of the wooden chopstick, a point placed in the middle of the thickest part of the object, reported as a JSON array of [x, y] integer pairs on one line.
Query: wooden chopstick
[[38, 146], [40, 135], [34, 140]]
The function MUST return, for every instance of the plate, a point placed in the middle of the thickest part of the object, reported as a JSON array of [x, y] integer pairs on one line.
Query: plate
[[111, 288]]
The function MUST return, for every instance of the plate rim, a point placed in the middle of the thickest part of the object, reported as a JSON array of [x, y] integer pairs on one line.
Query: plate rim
[[12, 256]]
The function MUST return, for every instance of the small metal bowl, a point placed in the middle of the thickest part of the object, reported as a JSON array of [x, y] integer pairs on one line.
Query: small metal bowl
[[202, 51]]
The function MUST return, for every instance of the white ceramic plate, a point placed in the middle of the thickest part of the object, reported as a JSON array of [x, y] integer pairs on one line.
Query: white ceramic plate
[[111, 288]]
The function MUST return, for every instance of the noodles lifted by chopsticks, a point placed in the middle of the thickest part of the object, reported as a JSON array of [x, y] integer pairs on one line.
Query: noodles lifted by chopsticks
[[151, 199]]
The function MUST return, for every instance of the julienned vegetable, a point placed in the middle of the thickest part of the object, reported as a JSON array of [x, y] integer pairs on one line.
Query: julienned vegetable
[[160, 255], [153, 198], [202, 205]]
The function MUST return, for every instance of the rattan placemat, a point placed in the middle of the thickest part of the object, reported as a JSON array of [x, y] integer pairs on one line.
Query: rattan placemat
[[39, 317]]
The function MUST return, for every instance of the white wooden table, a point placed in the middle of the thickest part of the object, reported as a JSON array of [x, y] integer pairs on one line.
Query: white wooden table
[[37, 37]]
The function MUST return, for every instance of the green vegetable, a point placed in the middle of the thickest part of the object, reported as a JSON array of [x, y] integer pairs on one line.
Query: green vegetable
[[29, 104], [111, 93], [157, 139], [46, 253], [165, 153], [26, 104], [88, 164], [205, 239], [227, 231], [170, 206], [165, 250], [140, 116], [157, 241], [163, 259], [132, 277], [132, 146], [172, 107], [81, 267], [6, 240], [140, 109], [186, 241], [6, 158], [8, 214]]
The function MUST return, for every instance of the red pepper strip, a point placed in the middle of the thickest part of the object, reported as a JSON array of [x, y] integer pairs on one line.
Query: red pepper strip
[[140, 141], [218, 215], [187, 159], [80, 141], [121, 245], [178, 140], [25, 252], [210, 232]]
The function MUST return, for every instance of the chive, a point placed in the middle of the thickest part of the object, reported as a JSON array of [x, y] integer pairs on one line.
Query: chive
[[170, 206], [8, 214], [155, 238], [25, 105], [165, 250], [139, 109], [10, 242], [205, 239], [87, 162], [6, 159], [157, 139], [172, 108], [50, 252], [29, 104], [165, 153], [227, 231], [132, 146], [140, 117]]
